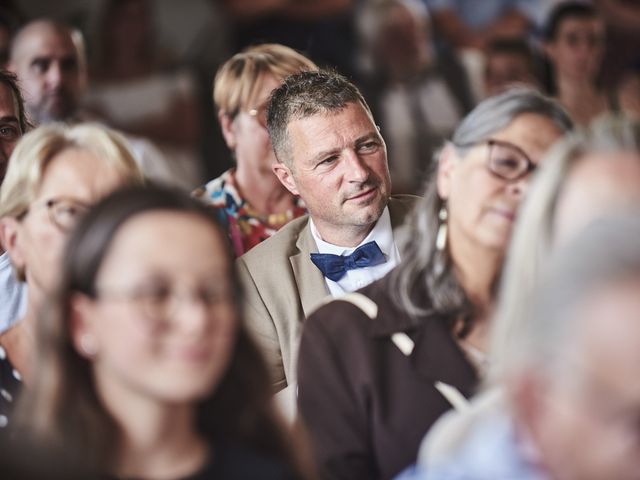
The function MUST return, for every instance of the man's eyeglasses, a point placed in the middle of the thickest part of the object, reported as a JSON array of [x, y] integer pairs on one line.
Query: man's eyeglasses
[[159, 302], [505, 160]]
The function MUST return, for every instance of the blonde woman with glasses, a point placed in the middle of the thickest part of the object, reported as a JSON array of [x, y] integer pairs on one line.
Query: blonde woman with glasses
[[254, 202], [55, 174]]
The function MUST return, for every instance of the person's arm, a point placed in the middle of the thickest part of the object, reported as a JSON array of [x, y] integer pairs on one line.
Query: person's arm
[[623, 15], [260, 324], [179, 125], [454, 30], [331, 404], [512, 23]]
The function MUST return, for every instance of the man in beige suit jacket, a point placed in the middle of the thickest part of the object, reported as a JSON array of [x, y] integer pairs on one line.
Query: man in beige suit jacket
[[331, 154]]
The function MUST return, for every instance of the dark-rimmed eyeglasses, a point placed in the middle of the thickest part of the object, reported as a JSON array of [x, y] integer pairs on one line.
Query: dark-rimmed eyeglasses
[[159, 302], [505, 160]]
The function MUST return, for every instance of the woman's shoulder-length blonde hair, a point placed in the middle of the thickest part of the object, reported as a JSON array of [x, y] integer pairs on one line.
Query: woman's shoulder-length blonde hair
[[236, 82], [35, 150]]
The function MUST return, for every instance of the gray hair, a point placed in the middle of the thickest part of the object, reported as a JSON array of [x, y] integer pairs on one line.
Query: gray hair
[[606, 253], [304, 95], [426, 273], [533, 237]]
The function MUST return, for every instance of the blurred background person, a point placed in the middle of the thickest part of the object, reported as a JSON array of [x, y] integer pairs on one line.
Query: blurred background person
[[140, 92], [572, 398], [469, 24], [55, 174], [574, 40], [417, 90], [49, 59], [51, 70], [588, 174], [323, 29], [622, 18], [510, 62], [13, 120], [628, 91], [255, 203], [13, 124], [10, 19], [378, 367], [156, 377]]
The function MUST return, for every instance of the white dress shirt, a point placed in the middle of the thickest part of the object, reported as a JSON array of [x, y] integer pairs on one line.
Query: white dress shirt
[[382, 234]]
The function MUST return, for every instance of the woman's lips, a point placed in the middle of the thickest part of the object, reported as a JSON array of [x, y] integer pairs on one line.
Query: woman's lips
[[505, 213]]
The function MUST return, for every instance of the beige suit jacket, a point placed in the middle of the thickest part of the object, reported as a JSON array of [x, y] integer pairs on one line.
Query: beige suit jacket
[[282, 287]]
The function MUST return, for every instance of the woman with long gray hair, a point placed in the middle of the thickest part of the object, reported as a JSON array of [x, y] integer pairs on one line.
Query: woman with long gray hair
[[589, 174], [379, 366]]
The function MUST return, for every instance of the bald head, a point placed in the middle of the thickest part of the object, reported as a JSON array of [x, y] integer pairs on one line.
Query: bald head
[[48, 59]]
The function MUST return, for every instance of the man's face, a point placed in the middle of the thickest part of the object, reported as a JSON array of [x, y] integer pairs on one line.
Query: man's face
[[47, 64], [10, 131], [338, 165], [587, 425]]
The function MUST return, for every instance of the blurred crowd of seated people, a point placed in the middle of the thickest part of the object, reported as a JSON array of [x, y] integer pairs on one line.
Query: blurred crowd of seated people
[[321, 239]]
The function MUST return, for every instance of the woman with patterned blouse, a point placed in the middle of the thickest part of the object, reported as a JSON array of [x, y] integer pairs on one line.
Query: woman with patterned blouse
[[254, 201]]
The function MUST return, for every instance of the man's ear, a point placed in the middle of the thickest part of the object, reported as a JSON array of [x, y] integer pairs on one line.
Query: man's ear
[[228, 129], [285, 176], [446, 164], [10, 240], [81, 326]]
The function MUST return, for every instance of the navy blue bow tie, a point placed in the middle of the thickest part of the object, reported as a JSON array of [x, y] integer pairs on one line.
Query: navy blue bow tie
[[334, 267]]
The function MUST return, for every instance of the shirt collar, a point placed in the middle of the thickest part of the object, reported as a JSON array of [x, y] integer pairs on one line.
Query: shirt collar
[[382, 234]]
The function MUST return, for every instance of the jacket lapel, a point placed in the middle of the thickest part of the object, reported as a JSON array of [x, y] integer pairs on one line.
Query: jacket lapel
[[432, 347], [312, 288], [435, 347]]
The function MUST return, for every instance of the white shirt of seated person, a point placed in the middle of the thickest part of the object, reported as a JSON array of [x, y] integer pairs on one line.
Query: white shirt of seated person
[[382, 234]]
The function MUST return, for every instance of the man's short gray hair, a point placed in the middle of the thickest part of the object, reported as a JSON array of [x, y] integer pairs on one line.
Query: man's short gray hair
[[304, 95]]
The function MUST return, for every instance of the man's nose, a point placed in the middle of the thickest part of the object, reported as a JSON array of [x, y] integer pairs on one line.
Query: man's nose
[[357, 169], [54, 75]]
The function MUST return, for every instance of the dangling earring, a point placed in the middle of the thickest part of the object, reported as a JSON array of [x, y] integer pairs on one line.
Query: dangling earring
[[441, 237], [88, 346]]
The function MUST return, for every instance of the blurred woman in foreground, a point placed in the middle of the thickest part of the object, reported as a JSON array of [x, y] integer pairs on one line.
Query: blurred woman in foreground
[[144, 368]]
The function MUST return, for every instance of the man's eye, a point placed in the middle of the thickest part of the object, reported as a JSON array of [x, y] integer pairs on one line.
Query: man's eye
[[328, 160], [368, 147], [9, 133]]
